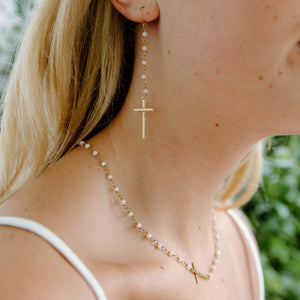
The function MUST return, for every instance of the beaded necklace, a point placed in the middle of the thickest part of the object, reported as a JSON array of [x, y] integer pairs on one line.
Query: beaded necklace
[[158, 245]]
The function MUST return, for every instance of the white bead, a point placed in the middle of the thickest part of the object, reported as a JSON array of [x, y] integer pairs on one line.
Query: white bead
[[82, 143], [123, 202], [149, 235], [143, 76], [218, 253], [144, 62], [160, 245], [87, 146], [190, 267], [95, 153], [215, 228], [116, 189], [109, 177], [145, 48], [145, 34], [171, 253], [130, 214], [210, 275], [103, 164], [139, 225], [213, 268], [180, 259], [215, 261], [145, 91], [217, 236]]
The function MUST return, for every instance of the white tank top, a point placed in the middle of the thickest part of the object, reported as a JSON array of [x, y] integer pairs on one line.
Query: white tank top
[[56, 242]]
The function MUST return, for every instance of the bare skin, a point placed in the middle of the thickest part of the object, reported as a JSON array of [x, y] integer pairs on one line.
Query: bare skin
[[123, 261], [221, 77]]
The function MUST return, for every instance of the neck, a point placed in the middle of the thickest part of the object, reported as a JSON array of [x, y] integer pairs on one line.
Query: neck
[[170, 178], [169, 181]]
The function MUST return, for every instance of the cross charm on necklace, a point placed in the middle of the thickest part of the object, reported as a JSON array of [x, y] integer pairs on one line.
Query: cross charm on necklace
[[197, 273], [143, 110]]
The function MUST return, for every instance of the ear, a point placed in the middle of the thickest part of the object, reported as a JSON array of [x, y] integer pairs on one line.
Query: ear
[[130, 9]]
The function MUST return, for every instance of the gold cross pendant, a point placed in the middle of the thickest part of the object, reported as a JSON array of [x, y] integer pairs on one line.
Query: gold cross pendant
[[197, 273], [144, 110]]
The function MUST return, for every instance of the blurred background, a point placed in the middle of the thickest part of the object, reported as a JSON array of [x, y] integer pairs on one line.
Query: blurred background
[[274, 211]]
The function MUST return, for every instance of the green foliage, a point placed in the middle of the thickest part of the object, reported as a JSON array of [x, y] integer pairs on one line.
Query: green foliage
[[14, 16], [274, 213]]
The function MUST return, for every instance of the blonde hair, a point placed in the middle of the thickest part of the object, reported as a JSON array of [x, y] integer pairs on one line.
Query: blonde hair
[[71, 74]]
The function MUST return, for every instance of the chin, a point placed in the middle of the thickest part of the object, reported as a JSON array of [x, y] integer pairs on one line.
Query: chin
[[292, 129]]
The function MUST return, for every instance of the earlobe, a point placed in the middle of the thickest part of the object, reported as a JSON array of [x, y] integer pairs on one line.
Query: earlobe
[[130, 9]]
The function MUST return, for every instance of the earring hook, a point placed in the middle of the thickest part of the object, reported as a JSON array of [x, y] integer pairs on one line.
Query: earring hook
[[140, 13]]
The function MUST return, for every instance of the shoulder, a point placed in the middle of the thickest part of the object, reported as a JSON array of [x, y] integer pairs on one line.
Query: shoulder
[[60, 199], [239, 237], [61, 194], [66, 180], [244, 229], [242, 225], [32, 269], [240, 229]]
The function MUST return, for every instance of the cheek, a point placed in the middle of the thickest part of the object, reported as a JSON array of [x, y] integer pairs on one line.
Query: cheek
[[239, 53], [244, 39]]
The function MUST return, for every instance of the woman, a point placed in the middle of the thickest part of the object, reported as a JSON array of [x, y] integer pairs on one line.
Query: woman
[[216, 80]]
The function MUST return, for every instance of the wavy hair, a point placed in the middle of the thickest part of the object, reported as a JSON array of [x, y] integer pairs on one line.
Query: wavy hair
[[70, 79]]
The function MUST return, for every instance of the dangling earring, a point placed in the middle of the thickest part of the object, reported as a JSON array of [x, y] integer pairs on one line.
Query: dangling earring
[[144, 109], [269, 143]]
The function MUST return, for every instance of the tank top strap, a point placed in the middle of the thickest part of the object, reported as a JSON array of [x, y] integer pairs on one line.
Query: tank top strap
[[58, 244], [252, 250]]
